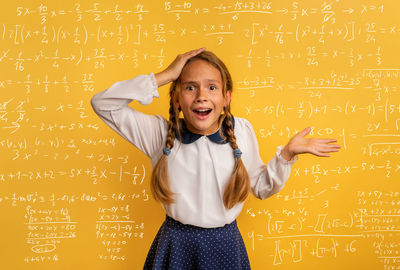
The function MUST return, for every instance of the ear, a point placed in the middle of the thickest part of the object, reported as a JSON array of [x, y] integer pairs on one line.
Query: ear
[[228, 98], [176, 100]]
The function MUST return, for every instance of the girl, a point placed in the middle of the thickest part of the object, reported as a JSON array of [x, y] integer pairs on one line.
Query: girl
[[204, 165]]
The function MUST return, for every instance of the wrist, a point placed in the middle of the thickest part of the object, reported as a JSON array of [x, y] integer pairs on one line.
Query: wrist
[[162, 78], [287, 154]]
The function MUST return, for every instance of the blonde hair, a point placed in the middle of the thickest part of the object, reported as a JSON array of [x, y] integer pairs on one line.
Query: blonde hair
[[238, 186]]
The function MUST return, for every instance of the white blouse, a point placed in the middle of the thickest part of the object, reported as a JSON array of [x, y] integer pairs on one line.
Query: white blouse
[[198, 169]]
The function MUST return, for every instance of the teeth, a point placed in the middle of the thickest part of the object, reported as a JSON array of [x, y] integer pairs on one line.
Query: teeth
[[203, 110]]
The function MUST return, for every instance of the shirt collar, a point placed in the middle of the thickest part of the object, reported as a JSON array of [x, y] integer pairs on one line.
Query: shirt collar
[[190, 137]]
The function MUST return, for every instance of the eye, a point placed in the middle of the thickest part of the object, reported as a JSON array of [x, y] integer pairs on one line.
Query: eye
[[190, 87], [213, 87]]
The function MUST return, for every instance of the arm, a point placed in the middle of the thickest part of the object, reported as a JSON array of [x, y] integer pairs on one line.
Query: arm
[[269, 179], [111, 105], [146, 132], [265, 180]]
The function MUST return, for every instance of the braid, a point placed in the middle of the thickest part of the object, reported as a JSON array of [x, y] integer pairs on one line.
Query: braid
[[172, 124], [228, 127], [238, 186], [159, 179]]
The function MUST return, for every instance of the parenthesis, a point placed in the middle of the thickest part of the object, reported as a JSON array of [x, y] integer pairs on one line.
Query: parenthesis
[[86, 34], [80, 58], [347, 31], [4, 30], [310, 109], [353, 31], [344, 141], [144, 174], [352, 220], [297, 33], [347, 105], [54, 33], [373, 109], [334, 247], [58, 35]]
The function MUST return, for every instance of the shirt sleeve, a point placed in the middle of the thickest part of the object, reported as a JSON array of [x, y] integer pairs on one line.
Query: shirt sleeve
[[265, 180], [146, 132]]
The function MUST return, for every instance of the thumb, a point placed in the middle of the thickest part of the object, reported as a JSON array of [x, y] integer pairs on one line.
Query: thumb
[[305, 131]]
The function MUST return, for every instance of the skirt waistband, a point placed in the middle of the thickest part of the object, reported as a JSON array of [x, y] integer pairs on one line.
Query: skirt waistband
[[175, 224]]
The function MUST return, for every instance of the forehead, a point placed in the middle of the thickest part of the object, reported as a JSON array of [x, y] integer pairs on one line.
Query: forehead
[[200, 70]]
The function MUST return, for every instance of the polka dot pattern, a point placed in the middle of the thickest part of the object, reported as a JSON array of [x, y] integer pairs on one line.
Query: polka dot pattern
[[180, 246]]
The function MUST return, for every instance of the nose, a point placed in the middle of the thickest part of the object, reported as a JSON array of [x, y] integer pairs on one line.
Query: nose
[[201, 94]]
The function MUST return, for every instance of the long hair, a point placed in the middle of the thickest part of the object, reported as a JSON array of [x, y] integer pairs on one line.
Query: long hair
[[238, 186]]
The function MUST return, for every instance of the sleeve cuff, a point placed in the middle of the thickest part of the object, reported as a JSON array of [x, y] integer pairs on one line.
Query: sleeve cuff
[[282, 159], [154, 84]]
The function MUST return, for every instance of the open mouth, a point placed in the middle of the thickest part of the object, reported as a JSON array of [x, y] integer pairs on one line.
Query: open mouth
[[202, 112]]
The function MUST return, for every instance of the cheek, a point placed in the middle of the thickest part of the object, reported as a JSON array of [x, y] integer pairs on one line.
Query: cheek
[[220, 102], [185, 103], [180, 101]]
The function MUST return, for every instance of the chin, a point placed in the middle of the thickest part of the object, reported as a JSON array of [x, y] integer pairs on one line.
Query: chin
[[206, 129]]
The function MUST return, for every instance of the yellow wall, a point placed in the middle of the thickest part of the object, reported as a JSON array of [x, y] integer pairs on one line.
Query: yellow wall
[[74, 195]]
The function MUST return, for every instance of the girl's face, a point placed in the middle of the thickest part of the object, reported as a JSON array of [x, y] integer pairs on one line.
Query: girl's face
[[201, 97]]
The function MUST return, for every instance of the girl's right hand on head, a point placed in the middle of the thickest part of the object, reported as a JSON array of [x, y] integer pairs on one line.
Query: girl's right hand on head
[[175, 68], [173, 71]]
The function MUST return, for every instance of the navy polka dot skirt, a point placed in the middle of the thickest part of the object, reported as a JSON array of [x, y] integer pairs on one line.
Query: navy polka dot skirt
[[180, 246]]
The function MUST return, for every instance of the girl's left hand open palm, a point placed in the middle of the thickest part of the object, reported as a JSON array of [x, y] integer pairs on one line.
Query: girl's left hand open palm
[[298, 144]]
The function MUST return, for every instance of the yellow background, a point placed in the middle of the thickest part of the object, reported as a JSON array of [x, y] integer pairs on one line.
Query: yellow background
[[75, 195]]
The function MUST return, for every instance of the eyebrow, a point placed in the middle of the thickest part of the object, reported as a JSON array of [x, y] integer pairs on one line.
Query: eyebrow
[[194, 82]]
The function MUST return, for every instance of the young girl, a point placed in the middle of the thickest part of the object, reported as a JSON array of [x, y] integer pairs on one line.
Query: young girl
[[204, 165]]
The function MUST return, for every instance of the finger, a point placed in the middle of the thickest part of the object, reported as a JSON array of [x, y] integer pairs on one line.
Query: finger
[[321, 154], [321, 149], [325, 140], [326, 145], [186, 56], [194, 52], [333, 146], [328, 148], [318, 153], [305, 131]]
